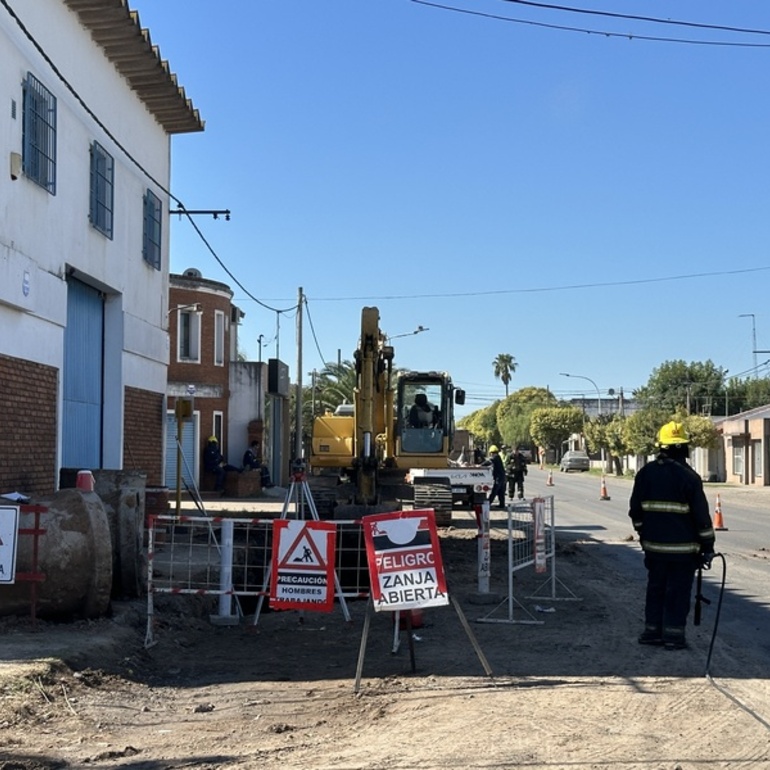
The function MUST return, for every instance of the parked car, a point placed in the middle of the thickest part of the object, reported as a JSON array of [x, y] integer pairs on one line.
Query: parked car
[[575, 460], [525, 451]]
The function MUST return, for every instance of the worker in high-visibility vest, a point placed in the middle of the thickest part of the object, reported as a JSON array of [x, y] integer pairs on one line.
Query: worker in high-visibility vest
[[670, 514]]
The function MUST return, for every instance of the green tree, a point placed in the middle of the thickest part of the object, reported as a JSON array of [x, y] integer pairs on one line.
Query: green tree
[[552, 426], [514, 414], [741, 395], [641, 430], [702, 431], [505, 367], [482, 424], [694, 388]]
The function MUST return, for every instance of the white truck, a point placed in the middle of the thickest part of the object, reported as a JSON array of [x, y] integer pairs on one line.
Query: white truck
[[469, 485]]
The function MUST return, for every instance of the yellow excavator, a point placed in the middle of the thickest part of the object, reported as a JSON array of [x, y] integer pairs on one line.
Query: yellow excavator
[[393, 443]]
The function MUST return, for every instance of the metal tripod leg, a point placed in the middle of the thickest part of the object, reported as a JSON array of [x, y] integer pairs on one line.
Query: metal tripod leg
[[301, 495]]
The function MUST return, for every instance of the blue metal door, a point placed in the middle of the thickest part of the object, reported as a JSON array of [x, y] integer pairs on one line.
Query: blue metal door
[[82, 377]]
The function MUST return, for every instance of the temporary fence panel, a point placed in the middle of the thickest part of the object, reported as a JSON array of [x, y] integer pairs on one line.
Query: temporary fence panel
[[531, 542], [186, 557]]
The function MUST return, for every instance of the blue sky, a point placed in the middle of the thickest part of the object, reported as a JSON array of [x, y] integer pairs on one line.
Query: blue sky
[[587, 203]]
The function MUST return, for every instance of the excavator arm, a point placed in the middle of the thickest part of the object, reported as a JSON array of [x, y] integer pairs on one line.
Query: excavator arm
[[374, 405]]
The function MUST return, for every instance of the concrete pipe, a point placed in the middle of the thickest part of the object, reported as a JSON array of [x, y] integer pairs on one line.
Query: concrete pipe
[[74, 555]]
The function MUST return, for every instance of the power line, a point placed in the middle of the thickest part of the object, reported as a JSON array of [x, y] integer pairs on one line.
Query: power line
[[633, 17], [583, 30], [129, 156], [546, 289]]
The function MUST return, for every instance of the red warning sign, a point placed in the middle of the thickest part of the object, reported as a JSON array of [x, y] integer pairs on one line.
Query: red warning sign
[[405, 567], [302, 575]]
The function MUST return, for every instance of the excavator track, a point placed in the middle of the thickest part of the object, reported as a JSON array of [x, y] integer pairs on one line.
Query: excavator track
[[434, 492]]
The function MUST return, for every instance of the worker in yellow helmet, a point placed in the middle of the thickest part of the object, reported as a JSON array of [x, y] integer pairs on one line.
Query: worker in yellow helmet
[[670, 514], [498, 477]]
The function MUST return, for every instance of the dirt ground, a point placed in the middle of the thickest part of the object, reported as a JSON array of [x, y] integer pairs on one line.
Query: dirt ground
[[573, 690]]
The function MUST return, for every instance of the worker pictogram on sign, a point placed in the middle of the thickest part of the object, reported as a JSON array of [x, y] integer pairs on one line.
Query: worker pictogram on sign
[[405, 567], [303, 565]]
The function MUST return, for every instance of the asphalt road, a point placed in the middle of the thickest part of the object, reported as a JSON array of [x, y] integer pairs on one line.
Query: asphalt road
[[744, 620]]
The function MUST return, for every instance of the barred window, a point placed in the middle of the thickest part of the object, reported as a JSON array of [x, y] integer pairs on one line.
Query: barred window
[[102, 185], [153, 209], [39, 134]]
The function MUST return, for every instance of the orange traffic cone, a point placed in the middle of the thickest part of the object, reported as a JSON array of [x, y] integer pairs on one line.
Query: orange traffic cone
[[603, 491], [549, 483], [719, 523]]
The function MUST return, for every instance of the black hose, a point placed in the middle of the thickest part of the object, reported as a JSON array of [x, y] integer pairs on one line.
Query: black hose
[[721, 689], [719, 608]]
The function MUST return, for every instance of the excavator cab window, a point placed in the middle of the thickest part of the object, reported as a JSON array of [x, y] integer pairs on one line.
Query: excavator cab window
[[422, 409]]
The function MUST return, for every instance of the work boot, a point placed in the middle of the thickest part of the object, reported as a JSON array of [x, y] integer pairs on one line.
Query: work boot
[[676, 643], [652, 637]]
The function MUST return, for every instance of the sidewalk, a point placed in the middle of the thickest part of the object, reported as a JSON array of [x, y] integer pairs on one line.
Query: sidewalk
[[270, 503]]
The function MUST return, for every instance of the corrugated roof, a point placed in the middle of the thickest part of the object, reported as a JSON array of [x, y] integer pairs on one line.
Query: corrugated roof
[[115, 27]]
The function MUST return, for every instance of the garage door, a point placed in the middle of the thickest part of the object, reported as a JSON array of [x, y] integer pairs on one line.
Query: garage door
[[189, 455], [82, 379]]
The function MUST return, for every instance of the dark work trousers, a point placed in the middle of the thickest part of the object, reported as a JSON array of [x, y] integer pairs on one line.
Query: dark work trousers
[[669, 591], [498, 490], [516, 481]]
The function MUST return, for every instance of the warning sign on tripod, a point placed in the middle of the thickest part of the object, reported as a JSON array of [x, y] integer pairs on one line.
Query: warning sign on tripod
[[405, 567], [303, 565]]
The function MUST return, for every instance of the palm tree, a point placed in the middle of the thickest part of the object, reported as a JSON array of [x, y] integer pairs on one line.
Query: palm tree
[[505, 366]]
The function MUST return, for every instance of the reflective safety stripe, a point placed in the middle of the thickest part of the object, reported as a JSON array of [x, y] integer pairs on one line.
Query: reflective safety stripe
[[706, 534], [648, 545], [665, 506]]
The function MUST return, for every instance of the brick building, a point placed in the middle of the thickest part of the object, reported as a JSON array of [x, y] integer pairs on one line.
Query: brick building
[[203, 341]]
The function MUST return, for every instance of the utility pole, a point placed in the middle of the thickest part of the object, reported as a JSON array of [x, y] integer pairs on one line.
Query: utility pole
[[753, 338], [259, 380], [298, 399]]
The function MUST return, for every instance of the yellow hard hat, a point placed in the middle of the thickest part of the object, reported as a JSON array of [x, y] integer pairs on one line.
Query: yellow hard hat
[[672, 434], [494, 448], [214, 439]]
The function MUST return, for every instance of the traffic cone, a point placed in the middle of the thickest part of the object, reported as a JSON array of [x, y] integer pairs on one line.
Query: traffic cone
[[603, 492], [719, 523], [549, 483]]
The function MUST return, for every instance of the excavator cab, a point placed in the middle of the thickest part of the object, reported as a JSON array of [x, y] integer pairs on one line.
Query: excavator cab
[[425, 416]]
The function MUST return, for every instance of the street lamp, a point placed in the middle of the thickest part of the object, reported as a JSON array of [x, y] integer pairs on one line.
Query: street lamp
[[753, 338], [196, 306], [598, 395], [598, 398], [407, 334]]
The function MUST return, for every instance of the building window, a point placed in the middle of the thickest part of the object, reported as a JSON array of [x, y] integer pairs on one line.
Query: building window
[[188, 336], [152, 229], [218, 427], [102, 178], [39, 134], [737, 460], [219, 338], [756, 455]]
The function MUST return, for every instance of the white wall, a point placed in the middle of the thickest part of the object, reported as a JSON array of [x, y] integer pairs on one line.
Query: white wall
[[242, 408], [44, 237]]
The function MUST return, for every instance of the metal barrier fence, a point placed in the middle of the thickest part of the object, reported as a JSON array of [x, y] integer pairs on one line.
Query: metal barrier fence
[[231, 559], [531, 542]]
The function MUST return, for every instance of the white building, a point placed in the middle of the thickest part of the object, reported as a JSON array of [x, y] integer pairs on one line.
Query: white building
[[89, 111]]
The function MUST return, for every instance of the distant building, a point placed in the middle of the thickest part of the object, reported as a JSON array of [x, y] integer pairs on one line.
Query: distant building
[[236, 401], [609, 406]]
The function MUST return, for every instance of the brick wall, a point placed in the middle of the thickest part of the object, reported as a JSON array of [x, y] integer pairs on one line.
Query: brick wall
[[143, 448], [27, 427]]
